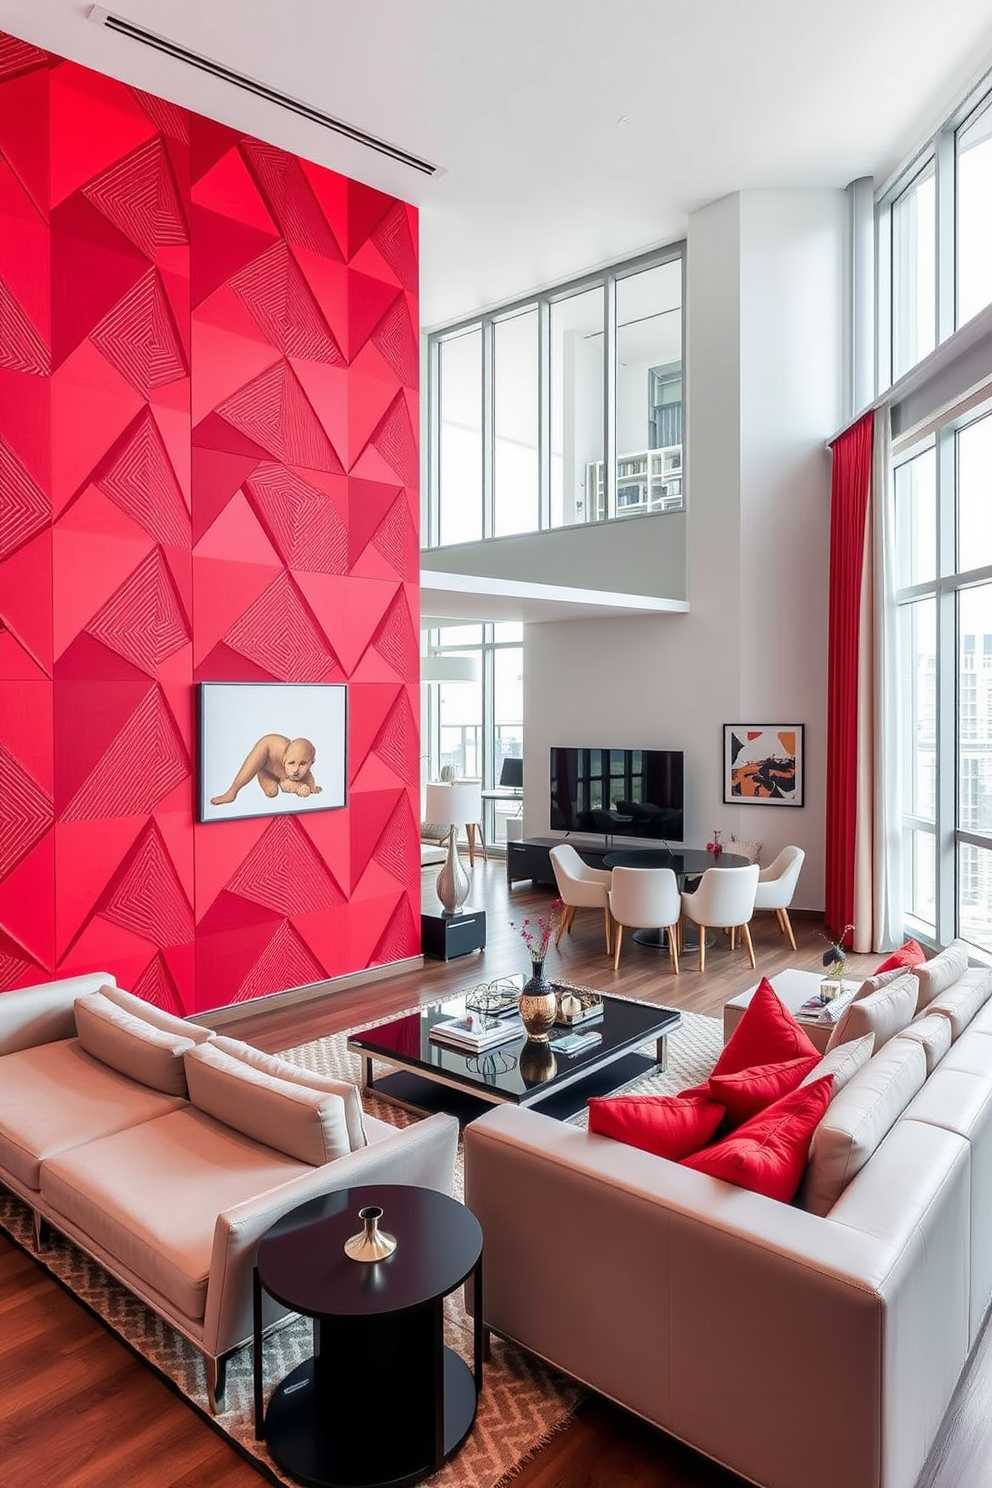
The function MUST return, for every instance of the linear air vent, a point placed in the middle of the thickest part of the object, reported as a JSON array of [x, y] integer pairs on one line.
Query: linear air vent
[[127, 28]]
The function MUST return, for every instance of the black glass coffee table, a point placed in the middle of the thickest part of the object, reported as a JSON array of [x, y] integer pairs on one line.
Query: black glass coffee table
[[432, 1076]]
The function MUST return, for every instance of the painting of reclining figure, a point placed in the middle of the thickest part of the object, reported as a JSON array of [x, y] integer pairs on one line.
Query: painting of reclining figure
[[763, 764], [271, 748]]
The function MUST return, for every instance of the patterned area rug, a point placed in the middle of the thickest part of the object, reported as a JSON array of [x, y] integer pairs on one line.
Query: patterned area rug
[[523, 1402]]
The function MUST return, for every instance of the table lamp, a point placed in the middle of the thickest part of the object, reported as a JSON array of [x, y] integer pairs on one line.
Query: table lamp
[[457, 803]]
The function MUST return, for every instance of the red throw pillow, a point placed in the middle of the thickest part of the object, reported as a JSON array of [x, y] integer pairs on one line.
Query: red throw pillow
[[766, 1034], [746, 1092], [910, 954], [768, 1154], [667, 1125]]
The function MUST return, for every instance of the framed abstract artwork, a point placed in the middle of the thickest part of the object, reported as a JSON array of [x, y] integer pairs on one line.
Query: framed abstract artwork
[[271, 748], [763, 764]]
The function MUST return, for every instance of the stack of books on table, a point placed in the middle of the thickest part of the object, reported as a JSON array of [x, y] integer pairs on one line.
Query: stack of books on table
[[815, 1011], [473, 1032]]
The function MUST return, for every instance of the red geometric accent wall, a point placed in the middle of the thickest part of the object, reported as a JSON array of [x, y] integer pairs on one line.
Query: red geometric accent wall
[[208, 471]]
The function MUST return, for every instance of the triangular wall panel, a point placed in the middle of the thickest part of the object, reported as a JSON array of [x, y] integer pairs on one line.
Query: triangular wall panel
[[198, 486]]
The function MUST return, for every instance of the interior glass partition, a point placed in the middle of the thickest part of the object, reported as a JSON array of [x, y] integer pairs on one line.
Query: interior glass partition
[[577, 400], [561, 409], [516, 473], [459, 466]]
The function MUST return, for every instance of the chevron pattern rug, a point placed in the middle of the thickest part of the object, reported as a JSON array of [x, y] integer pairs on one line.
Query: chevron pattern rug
[[523, 1403]]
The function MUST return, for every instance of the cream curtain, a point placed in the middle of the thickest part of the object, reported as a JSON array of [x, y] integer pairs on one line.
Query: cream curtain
[[878, 839]]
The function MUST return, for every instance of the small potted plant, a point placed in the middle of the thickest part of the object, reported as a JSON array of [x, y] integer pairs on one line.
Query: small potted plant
[[834, 958]]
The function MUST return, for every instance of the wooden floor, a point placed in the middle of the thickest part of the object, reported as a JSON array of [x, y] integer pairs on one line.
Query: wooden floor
[[77, 1410]]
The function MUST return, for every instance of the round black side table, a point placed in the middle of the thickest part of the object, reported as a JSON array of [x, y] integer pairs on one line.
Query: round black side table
[[384, 1399]]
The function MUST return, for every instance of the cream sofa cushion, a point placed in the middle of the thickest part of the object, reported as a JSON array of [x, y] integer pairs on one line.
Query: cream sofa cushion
[[934, 1033], [284, 1069], [306, 1124], [843, 1062], [156, 1016], [941, 972], [130, 1045], [149, 1197], [960, 1002], [55, 1096], [883, 1013], [858, 1118]]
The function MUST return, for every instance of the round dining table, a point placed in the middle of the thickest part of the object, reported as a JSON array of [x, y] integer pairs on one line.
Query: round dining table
[[685, 862]]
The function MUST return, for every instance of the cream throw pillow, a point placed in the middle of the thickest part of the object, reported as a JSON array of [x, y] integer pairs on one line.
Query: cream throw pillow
[[941, 972], [284, 1069], [843, 1062], [156, 1016], [878, 981], [306, 1124], [934, 1033], [130, 1045], [858, 1118], [883, 1013]]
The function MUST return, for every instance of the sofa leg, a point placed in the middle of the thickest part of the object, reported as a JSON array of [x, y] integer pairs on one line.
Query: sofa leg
[[39, 1231], [216, 1381]]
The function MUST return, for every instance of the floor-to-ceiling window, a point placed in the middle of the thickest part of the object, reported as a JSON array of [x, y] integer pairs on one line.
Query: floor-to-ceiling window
[[561, 409], [472, 727], [943, 493], [934, 271]]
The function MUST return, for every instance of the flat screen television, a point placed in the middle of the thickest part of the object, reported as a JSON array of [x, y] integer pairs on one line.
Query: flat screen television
[[618, 792]]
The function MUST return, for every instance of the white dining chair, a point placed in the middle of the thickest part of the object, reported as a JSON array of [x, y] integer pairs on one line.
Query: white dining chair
[[579, 887], [777, 884], [648, 898], [723, 900]]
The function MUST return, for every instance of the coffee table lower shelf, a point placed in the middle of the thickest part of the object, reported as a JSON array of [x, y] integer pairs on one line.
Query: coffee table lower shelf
[[404, 1088]]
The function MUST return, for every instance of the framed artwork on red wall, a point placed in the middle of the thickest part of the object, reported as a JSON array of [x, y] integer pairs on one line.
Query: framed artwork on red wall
[[271, 748]]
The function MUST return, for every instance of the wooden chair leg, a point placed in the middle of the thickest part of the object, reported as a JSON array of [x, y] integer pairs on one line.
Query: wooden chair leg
[[616, 947], [733, 937], [561, 927], [746, 937], [673, 947], [787, 927], [607, 925], [571, 918], [470, 834], [702, 947]]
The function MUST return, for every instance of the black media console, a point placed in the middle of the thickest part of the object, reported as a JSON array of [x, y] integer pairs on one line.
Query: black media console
[[531, 856]]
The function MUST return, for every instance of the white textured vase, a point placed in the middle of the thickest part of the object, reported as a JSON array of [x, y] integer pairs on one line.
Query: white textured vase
[[452, 881]]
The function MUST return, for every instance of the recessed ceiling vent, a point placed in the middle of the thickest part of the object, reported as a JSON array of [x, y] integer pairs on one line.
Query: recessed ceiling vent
[[127, 28]]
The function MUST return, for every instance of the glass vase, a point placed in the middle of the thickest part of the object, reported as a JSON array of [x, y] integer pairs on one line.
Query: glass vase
[[538, 1004]]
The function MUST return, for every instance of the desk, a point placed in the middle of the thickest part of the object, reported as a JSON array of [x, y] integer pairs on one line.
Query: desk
[[685, 862]]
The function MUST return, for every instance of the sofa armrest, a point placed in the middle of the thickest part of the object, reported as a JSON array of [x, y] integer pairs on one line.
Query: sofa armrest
[[695, 1304], [30, 1016], [421, 1155]]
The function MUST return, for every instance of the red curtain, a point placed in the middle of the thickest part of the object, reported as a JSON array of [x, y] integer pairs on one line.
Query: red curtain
[[849, 490]]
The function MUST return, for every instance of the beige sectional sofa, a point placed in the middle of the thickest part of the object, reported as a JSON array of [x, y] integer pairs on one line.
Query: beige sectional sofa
[[165, 1152], [800, 1349]]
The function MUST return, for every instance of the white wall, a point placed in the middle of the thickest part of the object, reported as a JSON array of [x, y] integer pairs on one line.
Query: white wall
[[765, 274]]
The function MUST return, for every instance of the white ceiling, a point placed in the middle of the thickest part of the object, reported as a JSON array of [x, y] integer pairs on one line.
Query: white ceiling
[[519, 102], [571, 133]]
